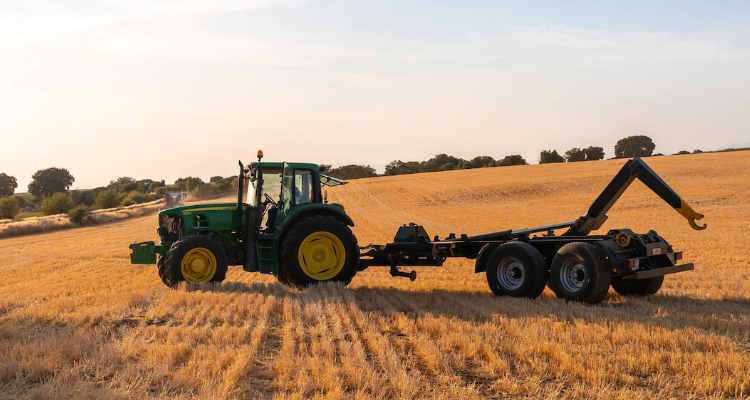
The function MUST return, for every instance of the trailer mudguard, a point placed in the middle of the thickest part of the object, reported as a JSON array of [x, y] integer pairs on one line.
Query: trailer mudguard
[[484, 255]]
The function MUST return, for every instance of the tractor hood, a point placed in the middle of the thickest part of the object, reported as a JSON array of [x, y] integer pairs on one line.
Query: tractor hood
[[186, 210]]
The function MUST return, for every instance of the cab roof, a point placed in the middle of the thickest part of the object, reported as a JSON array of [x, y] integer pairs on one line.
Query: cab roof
[[280, 165]]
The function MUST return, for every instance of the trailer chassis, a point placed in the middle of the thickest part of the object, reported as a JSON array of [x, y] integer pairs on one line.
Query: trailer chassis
[[575, 264]]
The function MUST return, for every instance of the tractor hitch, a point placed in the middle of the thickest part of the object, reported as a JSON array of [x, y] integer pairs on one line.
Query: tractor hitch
[[395, 272]]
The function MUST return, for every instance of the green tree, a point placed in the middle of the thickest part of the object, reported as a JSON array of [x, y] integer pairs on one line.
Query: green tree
[[434, 163], [47, 182], [634, 146], [550, 156], [9, 207], [575, 154], [514, 159], [123, 184], [352, 171], [190, 183], [77, 214], [21, 201], [154, 185], [58, 203], [85, 197], [448, 167], [398, 167], [135, 197], [594, 153], [107, 199], [204, 191], [8, 185], [216, 179], [480, 162]]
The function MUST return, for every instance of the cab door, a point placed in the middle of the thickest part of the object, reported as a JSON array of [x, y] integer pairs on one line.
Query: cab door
[[286, 201]]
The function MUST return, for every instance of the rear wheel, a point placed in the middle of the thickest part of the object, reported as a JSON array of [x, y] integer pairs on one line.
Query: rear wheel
[[318, 249], [580, 273], [516, 269], [641, 287], [197, 259]]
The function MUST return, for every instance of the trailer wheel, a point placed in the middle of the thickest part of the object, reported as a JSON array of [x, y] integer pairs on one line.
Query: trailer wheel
[[196, 259], [516, 269], [641, 287], [319, 249], [580, 273]]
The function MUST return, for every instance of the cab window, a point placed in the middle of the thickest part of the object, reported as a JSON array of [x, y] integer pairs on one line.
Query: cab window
[[303, 187]]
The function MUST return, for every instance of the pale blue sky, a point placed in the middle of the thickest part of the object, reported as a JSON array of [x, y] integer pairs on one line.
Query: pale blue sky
[[163, 89]]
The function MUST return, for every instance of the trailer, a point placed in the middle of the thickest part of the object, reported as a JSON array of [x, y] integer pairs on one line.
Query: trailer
[[576, 265]]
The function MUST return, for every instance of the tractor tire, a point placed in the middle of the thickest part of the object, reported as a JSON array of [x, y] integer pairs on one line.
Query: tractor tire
[[318, 249], [281, 276], [580, 272], [516, 269], [641, 287], [160, 267], [197, 259]]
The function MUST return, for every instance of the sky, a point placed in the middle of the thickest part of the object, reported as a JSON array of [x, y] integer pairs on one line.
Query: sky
[[163, 89]]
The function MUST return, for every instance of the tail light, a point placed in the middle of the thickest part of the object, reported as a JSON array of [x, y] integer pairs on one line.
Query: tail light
[[341, 206], [678, 256], [634, 264]]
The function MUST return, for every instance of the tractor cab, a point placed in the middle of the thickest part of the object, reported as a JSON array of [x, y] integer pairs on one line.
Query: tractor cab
[[274, 189]]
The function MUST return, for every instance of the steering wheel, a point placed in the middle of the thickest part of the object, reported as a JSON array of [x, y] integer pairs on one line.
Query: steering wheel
[[268, 199]]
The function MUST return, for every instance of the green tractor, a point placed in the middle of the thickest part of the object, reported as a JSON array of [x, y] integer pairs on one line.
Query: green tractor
[[281, 224]]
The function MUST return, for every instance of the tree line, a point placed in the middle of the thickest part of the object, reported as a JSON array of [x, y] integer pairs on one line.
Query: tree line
[[632, 146]]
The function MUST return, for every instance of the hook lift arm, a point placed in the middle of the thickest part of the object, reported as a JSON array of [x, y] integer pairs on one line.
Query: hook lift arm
[[635, 168]]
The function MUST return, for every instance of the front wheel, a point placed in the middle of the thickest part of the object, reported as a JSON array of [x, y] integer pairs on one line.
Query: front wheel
[[319, 249], [197, 259], [580, 272]]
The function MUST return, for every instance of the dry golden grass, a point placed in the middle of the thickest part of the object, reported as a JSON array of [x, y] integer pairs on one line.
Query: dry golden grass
[[77, 320]]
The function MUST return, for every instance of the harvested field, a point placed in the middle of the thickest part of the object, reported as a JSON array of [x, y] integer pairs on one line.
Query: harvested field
[[78, 320]]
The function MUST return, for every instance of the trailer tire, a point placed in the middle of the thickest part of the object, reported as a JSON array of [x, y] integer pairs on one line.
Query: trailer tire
[[200, 256], [318, 249], [516, 269], [641, 287], [580, 272]]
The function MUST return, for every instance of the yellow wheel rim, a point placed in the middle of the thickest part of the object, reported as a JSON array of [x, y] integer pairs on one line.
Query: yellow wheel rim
[[322, 255], [198, 265]]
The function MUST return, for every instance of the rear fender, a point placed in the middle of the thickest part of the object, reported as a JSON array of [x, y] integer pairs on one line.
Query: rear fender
[[315, 209]]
